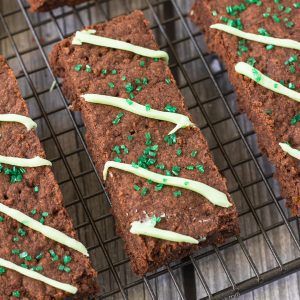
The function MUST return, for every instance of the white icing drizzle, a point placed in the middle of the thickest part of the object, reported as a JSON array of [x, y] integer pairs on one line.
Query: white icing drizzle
[[37, 276], [180, 120], [147, 227], [214, 196], [25, 162], [251, 72], [286, 43], [291, 151], [47, 231], [88, 36], [27, 122]]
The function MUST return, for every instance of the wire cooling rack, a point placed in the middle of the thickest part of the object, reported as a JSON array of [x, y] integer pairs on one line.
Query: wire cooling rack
[[268, 247]]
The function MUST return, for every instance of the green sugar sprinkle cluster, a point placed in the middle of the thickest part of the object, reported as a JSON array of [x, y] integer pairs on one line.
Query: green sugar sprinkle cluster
[[291, 63], [32, 262], [80, 67], [118, 118], [15, 173]]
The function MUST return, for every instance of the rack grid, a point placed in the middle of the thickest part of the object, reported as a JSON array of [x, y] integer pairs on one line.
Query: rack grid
[[211, 273]]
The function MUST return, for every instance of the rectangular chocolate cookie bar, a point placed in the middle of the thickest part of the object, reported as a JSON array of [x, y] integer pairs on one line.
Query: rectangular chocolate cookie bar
[[275, 117], [35, 193], [45, 5], [113, 134]]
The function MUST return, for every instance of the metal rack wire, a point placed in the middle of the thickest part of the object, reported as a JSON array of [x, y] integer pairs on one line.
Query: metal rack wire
[[195, 73]]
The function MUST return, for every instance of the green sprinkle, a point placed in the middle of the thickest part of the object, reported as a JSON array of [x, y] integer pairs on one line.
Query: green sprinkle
[[111, 85], [291, 86], [276, 18], [200, 168], [123, 78], [223, 19], [38, 268], [117, 159], [144, 191], [296, 5], [168, 173], [45, 214], [36, 189], [16, 294], [194, 153], [88, 68], [190, 168], [136, 187], [242, 47], [118, 118], [22, 232], [2, 271], [292, 69], [251, 61], [158, 187], [1, 219], [131, 96], [148, 107], [266, 15], [287, 10], [130, 137], [289, 24], [104, 71], [276, 85], [292, 59], [268, 112], [67, 259], [177, 194], [135, 165], [270, 47], [170, 139], [15, 251], [15, 239], [295, 119], [145, 80], [39, 256], [139, 88], [130, 102], [176, 170], [257, 75], [168, 80], [142, 63], [179, 152], [116, 149], [23, 254], [156, 59], [155, 219], [280, 7], [114, 72], [78, 67], [61, 267], [263, 31], [160, 166], [129, 87], [170, 108]]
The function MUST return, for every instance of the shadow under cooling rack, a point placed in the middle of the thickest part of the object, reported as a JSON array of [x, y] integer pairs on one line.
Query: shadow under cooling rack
[[268, 247]]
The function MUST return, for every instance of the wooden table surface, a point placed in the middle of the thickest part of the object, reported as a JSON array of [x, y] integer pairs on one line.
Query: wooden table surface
[[285, 288]]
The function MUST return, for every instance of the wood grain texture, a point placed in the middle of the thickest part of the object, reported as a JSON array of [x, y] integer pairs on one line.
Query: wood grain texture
[[210, 266]]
